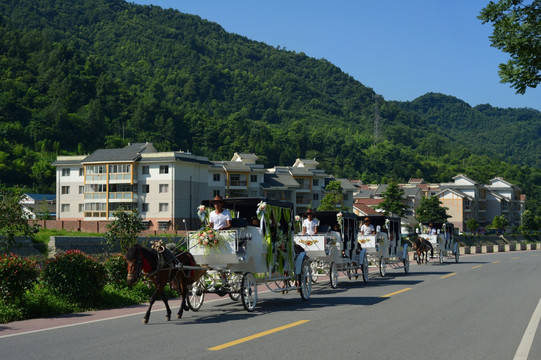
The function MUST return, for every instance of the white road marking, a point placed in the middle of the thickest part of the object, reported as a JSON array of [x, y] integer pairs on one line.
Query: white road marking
[[527, 339]]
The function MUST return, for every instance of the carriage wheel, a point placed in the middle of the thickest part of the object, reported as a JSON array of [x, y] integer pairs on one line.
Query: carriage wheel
[[234, 280], [248, 292], [382, 267], [457, 255], [333, 274], [407, 264], [315, 270], [441, 257], [365, 269], [197, 295], [305, 280]]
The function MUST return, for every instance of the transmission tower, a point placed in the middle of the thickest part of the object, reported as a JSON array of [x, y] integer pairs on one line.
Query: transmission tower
[[376, 119]]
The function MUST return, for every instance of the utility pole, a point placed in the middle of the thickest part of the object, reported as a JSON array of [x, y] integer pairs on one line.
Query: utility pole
[[376, 119]]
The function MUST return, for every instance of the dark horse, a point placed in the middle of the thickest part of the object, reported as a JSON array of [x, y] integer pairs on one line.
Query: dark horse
[[162, 268], [422, 246]]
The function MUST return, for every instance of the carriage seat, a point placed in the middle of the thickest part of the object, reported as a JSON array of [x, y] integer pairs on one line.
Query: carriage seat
[[239, 222]]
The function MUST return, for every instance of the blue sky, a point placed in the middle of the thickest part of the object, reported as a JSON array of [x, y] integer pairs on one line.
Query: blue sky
[[401, 49]]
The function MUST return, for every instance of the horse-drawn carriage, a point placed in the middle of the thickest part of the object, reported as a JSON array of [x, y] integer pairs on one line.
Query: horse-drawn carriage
[[334, 248], [441, 237], [257, 249], [384, 246]]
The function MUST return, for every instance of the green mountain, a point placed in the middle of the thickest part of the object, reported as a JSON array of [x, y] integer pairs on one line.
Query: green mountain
[[88, 74]]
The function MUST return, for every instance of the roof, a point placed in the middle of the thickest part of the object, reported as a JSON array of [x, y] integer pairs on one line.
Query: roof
[[41, 197], [369, 202], [232, 166], [130, 153], [347, 185], [364, 209], [279, 181]]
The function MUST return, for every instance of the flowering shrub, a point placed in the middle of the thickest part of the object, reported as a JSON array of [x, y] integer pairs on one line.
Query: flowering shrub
[[16, 276], [117, 270], [75, 275]]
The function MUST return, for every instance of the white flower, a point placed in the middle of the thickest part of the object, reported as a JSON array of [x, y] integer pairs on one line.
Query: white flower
[[297, 218]]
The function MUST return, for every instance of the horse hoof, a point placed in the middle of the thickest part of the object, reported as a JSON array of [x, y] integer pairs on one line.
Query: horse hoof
[[179, 316], [145, 321], [168, 318]]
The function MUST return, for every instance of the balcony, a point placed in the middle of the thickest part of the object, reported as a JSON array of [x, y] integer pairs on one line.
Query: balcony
[[120, 177], [237, 183], [122, 196], [95, 196]]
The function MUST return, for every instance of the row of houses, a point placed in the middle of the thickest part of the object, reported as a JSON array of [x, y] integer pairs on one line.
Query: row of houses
[[167, 187], [465, 199]]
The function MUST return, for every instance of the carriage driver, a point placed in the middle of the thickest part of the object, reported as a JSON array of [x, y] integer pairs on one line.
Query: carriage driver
[[367, 228], [309, 225], [220, 218]]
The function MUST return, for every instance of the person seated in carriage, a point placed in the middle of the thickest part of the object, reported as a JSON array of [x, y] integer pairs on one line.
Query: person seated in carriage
[[220, 218], [367, 228], [431, 229], [309, 225]]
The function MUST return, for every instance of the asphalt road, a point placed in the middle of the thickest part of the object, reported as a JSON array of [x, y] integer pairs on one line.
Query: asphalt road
[[484, 307]]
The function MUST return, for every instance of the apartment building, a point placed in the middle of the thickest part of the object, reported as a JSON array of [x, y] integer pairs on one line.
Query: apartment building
[[165, 187]]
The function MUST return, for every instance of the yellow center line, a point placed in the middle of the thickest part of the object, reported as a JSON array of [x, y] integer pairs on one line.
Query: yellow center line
[[496, 262], [514, 258], [477, 267], [448, 275], [396, 292], [258, 335]]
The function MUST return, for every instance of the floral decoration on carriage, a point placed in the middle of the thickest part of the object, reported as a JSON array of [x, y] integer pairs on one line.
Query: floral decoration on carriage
[[209, 237], [308, 242]]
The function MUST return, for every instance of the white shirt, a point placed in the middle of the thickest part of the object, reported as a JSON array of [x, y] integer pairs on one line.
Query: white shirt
[[219, 220], [367, 229], [310, 226]]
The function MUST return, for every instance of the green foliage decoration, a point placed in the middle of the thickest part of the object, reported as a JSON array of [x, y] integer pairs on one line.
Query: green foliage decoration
[[75, 275], [17, 275]]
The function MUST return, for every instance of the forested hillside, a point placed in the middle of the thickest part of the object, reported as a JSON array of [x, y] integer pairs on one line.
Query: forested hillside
[[86, 74]]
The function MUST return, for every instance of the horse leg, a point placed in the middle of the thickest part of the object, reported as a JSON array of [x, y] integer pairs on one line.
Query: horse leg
[[166, 303], [152, 300], [183, 291]]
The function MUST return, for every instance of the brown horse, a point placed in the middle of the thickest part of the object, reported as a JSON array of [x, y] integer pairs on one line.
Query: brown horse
[[162, 268], [422, 247]]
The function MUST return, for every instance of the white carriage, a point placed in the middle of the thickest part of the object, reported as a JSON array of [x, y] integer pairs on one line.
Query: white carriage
[[441, 237], [385, 247], [334, 248], [257, 249]]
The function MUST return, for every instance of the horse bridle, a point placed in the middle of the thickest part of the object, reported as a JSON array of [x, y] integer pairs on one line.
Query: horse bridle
[[135, 275]]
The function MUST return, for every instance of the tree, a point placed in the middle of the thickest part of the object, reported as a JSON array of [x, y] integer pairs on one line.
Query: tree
[[13, 220], [472, 225], [516, 32], [527, 222], [123, 230], [333, 199], [431, 210], [499, 223], [393, 203]]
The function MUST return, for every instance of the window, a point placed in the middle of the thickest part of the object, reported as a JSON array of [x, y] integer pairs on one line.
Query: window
[[65, 172], [216, 177], [94, 188], [164, 169], [81, 189], [345, 197], [164, 188], [95, 169], [315, 196], [146, 225], [164, 207], [144, 207], [81, 208], [81, 171], [65, 207], [216, 193], [163, 225], [315, 182], [145, 170], [253, 178], [145, 189], [65, 190]]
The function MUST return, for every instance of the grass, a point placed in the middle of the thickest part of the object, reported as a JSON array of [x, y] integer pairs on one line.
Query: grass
[[41, 302], [43, 235]]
